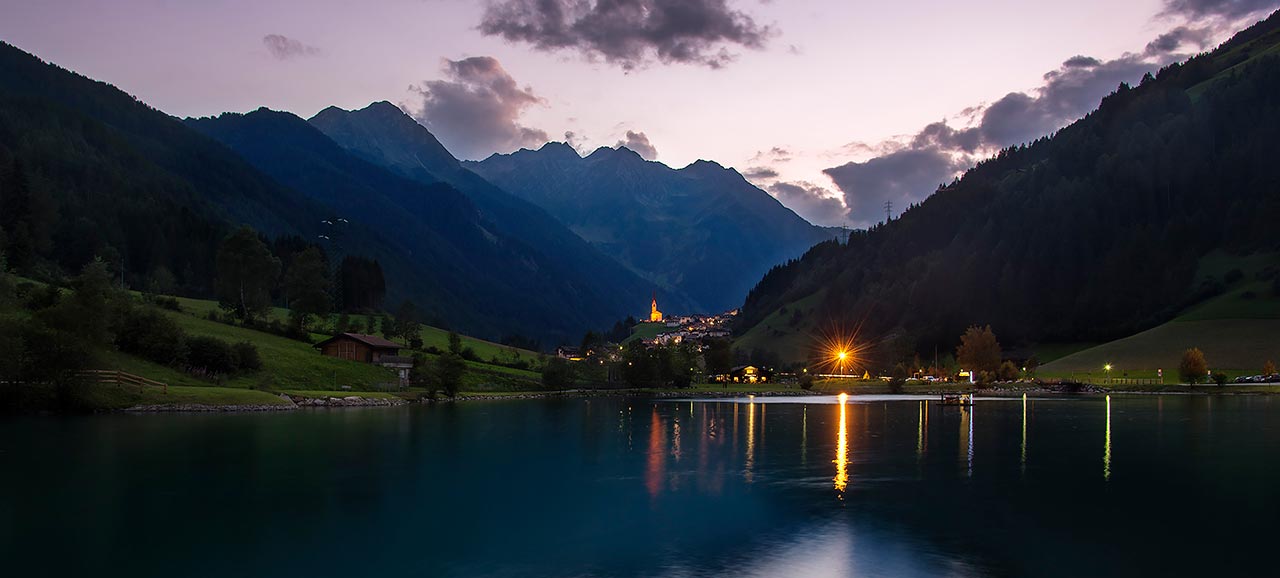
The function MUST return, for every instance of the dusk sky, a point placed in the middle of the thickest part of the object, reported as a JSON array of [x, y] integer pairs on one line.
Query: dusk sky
[[833, 107]]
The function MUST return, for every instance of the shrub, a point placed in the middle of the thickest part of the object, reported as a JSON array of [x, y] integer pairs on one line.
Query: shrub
[[1220, 379], [806, 382], [210, 355], [152, 335], [247, 357]]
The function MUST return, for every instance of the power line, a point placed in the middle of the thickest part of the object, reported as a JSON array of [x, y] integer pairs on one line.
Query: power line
[[888, 211]]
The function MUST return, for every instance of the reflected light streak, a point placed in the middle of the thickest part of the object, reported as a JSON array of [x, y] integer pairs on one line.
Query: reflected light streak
[[966, 437], [1106, 451], [804, 435], [751, 442], [656, 467], [1024, 433], [842, 450]]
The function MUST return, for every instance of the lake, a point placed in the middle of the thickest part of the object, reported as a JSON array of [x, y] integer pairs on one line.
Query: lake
[[875, 486]]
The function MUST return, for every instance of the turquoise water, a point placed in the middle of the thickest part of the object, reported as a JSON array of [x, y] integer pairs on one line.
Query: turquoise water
[[1138, 485]]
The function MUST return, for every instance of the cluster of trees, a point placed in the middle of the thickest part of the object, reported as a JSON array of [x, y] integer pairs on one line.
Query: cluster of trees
[[249, 272], [48, 335], [1088, 235]]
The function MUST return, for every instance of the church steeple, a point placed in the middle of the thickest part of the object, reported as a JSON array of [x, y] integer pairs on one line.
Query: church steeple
[[654, 315]]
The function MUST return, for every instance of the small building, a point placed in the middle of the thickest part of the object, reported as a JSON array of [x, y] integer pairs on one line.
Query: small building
[[359, 347], [569, 353], [748, 374], [368, 349]]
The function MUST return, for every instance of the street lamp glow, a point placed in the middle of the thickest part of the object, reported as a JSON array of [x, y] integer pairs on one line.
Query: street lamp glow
[[1107, 367]]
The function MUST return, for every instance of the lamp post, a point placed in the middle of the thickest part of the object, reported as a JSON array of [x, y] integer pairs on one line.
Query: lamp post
[[1107, 368]]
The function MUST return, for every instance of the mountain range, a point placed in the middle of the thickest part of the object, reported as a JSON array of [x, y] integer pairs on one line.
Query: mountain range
[[95, 171], [702, 229]]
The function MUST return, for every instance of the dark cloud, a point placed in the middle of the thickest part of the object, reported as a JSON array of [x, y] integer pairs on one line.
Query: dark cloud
[[639, 142], [285, 48], [475, 111], [902, 177], [760, 173], [816, 204], [1230, 9], [628, 33], [906, 170], [1079, 61], [1172, 41]]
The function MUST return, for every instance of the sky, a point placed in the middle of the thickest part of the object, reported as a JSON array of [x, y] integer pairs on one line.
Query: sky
[[834, 107]]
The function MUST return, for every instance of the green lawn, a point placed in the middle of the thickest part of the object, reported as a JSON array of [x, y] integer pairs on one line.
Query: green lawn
[[431, 336], [792, 344], [1233, 346]]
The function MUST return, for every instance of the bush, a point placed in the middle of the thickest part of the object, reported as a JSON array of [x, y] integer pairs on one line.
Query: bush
[[247, 357], [806, 382], [210, 356], [152, 335], [1220, 379], [162, 301]]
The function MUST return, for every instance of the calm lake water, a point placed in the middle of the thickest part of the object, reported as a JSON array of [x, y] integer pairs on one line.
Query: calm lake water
[[1139, 485]]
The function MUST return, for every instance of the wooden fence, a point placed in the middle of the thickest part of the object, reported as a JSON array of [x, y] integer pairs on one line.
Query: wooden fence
[[116, 377]]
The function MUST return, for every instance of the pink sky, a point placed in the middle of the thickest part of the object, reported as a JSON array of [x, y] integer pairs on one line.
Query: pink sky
[[823, 76]]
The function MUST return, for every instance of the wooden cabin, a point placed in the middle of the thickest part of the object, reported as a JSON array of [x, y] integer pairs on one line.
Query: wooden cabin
[[360, 347]]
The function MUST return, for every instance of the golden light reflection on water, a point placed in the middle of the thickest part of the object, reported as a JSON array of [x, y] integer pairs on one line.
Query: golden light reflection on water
[[922, 425], [1024, 433], [966, 437], [749, 474], [842, 450], [1106, 451]]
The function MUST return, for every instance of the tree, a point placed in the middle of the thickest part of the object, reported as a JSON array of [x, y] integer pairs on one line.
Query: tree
[[246, 272], [306, 286], [360, 284], [406, 324], [450, 369], [718, 357], [1269, 368], [455, 343], [979, 350], [1193, 367], [557, 373], [424, 375], [1220, 379], [1008, 371]]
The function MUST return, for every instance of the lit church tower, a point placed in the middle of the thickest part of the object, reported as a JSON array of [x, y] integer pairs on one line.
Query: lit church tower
[[654, 315]]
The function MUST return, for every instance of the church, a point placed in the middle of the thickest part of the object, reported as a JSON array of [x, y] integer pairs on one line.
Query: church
[[654, 315]]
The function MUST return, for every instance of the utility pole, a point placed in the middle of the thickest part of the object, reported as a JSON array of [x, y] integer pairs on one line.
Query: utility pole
[[888, 211]]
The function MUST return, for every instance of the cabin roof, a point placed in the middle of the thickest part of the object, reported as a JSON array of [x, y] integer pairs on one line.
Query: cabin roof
[[371, 340]]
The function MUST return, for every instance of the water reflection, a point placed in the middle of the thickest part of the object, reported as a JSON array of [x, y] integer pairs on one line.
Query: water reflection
[[749, 474], [842, 450], [922, 425], [1106, 451], [1024, 434], [655, 469], [966, 437]]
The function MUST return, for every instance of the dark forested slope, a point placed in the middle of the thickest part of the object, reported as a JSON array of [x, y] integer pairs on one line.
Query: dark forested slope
[[1090, 234]]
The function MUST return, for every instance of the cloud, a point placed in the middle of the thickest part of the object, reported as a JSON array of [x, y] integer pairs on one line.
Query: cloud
[[907, 169], [760, 173], [628, 33], [285, 48], [639, 142], [1173, 40], [1229, 9], [816, 204], [475, 110], [773, 155], [900, 177]]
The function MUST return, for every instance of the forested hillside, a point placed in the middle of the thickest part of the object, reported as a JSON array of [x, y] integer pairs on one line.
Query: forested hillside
[[1090, 234]]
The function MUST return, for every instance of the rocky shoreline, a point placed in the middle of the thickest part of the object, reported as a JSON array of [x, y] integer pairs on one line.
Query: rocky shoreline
[[292, 402]]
